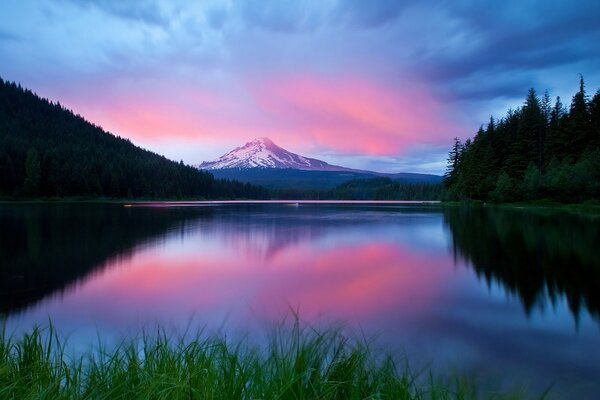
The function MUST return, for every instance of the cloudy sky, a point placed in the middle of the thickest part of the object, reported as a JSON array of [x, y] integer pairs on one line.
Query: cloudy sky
[[382, 85]]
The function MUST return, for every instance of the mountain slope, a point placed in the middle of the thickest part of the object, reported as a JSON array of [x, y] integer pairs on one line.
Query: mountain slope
[[282, 178], [47, 151], [262, 162], [263, 153]]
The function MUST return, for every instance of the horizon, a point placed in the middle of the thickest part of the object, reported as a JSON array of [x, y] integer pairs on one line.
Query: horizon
[[381, 86]]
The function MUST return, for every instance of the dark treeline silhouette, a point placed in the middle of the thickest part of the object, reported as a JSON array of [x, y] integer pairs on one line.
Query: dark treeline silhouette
[[366, 189], [541, 150], [527, 252], [47, 151], [387, 189], [45, 248]]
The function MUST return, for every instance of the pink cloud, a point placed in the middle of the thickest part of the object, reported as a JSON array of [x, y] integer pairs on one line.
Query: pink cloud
[[353, 114], [152, 111], [344, 115]]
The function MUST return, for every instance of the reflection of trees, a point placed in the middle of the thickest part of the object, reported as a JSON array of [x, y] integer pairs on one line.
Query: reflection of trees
[[539, 256], [45, 248]]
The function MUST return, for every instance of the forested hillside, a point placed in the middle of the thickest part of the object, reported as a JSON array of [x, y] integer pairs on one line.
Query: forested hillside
[[379, 188], [540, 151], [47, 151], [387, 189]]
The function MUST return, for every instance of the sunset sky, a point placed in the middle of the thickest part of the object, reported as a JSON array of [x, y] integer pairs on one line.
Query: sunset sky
[[381, 85]]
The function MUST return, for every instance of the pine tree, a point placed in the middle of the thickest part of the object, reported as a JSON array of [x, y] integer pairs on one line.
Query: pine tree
[[579, 126], [482, 177], [534, 152], [546, 107], [452, 166], [557, 139], [595, 120], [529, 146]]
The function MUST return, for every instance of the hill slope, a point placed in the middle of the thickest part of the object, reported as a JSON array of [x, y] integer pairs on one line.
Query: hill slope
[[48, 151], [280, 178]]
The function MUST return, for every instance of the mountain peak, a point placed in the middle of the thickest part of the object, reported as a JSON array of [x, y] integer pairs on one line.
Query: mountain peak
[[262, 152], [262, 139]]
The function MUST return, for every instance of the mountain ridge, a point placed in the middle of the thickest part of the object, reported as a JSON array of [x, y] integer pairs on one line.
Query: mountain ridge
[[262, 162], [283, 178], [262, 152]]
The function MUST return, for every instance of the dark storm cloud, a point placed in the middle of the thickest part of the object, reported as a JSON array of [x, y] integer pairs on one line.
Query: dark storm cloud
[[447, 43], [517, 40], [509, 87], [544, 46]]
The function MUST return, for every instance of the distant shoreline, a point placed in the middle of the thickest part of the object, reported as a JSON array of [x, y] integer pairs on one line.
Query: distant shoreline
[[216, 202], [590, 207]]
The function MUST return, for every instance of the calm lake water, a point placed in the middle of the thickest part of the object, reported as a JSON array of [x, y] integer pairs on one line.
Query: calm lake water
[[513, 296]]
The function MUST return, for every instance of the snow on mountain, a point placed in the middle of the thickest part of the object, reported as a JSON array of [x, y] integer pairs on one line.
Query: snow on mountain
[[263, 153]]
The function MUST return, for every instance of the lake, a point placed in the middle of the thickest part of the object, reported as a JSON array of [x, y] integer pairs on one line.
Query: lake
[[510, 295]]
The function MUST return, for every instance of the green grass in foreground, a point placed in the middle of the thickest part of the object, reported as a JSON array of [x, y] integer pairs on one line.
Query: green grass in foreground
[[298, 363]]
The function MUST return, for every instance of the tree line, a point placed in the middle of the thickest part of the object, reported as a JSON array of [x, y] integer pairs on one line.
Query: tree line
[[380, 188], [542, 150], [48, 151]]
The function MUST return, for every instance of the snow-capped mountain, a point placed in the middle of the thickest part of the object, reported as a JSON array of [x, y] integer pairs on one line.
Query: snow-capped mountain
[[262, 162], [263, 153]]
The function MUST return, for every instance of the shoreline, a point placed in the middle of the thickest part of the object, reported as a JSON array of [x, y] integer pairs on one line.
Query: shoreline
[[587, 208], [215, 202]]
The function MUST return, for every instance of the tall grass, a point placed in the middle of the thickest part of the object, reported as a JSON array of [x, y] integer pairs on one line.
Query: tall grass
[[297, 363]]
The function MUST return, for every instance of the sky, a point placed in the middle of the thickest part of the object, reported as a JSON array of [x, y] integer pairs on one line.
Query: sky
[[380, 85]]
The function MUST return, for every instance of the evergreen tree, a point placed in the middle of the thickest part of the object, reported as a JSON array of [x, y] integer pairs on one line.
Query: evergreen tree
[[579, 126], [530, 137], [546, 107], [595, 120], [504, 190], [452, 167], [532, 182], [483, 178], [534, 152], [557, 138]]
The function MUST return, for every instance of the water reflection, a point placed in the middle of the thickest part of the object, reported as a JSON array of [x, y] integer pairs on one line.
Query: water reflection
[[540, 256], [485, 290], [46, 248]]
